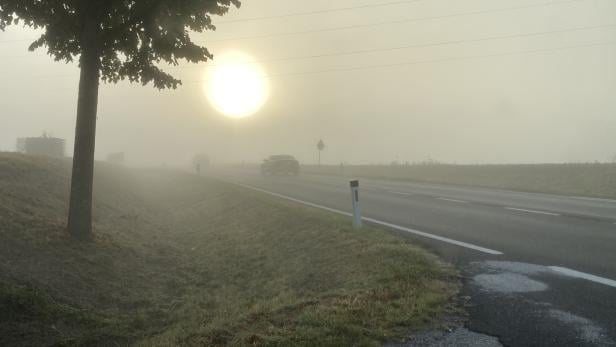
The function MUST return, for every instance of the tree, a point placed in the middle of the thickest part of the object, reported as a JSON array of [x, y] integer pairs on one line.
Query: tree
[[114, 40], [320, 148]]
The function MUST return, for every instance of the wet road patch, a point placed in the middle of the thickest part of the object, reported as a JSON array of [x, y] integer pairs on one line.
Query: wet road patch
[[532, 305]]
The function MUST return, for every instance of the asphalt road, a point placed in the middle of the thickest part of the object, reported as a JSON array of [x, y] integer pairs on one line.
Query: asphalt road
[[540, 269]]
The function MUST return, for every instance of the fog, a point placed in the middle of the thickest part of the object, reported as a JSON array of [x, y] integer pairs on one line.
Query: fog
[[522, 99]]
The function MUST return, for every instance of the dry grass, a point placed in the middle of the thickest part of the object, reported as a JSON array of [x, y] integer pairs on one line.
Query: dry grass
[[182, 260]]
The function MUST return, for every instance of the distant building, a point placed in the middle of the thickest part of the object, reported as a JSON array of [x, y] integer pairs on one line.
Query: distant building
[[44, 145]]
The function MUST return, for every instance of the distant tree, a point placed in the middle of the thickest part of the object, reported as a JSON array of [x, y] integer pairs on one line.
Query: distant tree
[[320, 148], [114, 40]]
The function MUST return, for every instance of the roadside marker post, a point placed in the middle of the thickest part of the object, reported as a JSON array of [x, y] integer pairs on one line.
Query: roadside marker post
[[356, 206]]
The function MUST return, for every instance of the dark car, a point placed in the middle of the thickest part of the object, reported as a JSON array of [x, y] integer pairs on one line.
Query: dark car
[[280, 165]]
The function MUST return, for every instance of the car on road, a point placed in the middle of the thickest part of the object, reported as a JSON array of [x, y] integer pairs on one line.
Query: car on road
[[280, 165]]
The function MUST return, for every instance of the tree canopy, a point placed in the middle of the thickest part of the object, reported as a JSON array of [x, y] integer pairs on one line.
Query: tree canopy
[[132, 38], [114, 40]]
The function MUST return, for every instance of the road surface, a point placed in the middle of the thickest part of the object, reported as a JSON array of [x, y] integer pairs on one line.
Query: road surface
[[540, 268]]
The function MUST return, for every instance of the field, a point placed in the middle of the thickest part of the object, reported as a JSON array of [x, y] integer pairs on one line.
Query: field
[[183, 260], [591, 180]]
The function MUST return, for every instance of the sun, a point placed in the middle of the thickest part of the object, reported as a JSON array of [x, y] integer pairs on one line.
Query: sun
[[235, 85]]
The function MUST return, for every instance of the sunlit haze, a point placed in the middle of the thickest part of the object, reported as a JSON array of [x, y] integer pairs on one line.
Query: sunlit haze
[[476, 81], [235, 85], [311, 173]]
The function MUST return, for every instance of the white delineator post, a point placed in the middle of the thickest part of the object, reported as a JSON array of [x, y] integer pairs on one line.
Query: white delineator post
[[356, 206]]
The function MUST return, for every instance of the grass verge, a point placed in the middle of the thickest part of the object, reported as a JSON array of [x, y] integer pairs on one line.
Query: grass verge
[[183, 260]]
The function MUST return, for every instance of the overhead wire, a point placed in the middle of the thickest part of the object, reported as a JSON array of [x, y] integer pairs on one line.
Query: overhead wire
[[417, 62], [393, 22], [404, 64], [377, 50], [288, 14], [421, 45], [308, 13], [380, 66], [366, 25]]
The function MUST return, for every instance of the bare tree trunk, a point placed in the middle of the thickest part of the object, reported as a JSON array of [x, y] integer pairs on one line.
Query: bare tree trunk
[[80, 209]]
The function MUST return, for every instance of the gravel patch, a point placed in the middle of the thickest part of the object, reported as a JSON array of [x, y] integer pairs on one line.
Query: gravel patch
[[460, 337], [589, 331]]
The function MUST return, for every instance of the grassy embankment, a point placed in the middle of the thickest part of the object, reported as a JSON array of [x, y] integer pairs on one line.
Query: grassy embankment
[[592, 180], [183, 260]]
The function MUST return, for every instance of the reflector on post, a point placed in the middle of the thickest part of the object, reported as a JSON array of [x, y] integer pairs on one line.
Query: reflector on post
[[356, 206]]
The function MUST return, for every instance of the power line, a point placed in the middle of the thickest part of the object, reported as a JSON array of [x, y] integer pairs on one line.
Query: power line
[[341, 9], [422, 45], [388, 66], [297, 14], [370, 67], [427, 61], [357, 26], [308, 13], [377, 50], [401, 21]]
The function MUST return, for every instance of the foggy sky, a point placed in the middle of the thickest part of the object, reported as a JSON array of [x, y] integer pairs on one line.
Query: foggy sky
[[549, 106]]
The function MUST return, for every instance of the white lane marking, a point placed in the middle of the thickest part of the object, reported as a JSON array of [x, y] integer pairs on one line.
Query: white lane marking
[[532, 211], [376, 221], [583, 275], [295, 200], [434, 237], [401, 193], [453, 200], [612, 201]]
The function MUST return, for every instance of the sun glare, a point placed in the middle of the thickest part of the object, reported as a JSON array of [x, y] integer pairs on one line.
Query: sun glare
[[235, 86]]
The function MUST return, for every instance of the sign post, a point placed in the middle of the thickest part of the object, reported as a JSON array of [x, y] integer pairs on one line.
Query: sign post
[[356, 206]]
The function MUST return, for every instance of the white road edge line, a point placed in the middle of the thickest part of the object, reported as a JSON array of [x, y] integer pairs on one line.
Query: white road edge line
[[375, 221], [401, 193], [434, 237], [453, 200], [532, 211], [583, 275]]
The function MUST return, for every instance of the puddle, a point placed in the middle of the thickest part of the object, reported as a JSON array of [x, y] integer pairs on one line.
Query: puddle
[[520, 268], [508, 282]]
